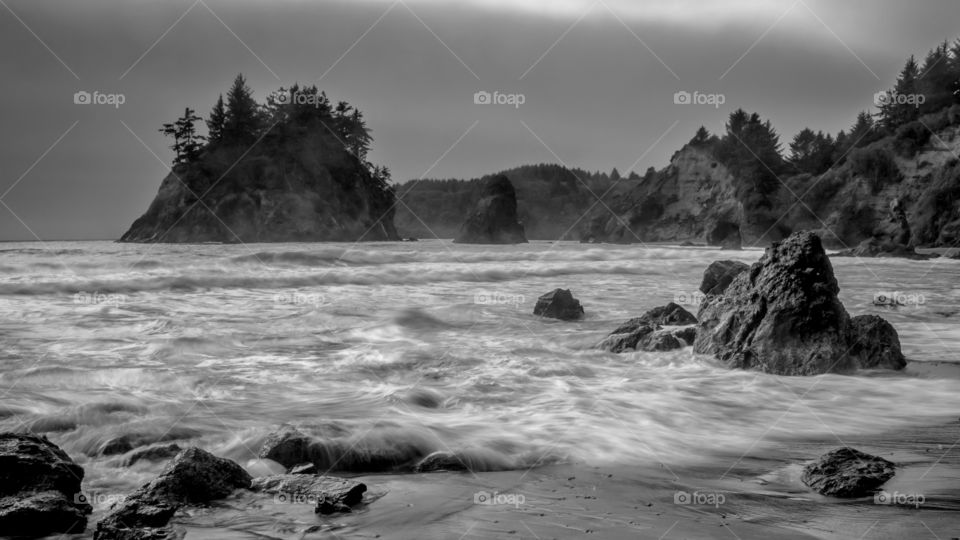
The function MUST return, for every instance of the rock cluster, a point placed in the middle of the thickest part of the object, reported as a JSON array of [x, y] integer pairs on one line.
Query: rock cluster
[[193, 476], [39, 488], [646, 332], [783, 316]]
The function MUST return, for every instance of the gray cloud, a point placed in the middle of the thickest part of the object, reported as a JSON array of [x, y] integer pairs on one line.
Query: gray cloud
[[598, 99]]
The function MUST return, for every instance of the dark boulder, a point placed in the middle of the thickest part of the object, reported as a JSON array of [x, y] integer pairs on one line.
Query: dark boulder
[[644, 333], [783, 315], [494, 218], [328, 494], [559, 304], [717, 276], [287, 446], [193, 476], [668, 315], [847, 472], [875, 343], [39, 488], [362, 453]]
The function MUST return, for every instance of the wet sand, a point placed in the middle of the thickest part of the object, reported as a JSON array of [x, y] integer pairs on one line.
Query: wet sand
[[759, 496]]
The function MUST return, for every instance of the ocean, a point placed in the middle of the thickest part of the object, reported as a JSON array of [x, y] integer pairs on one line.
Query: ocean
[[416, 347]]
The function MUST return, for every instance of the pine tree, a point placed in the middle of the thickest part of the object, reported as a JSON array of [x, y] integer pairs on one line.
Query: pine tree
[[896, 110], [215, 124], [187, 145], [615, 175], [242, 123], [701, 138], [935, 80]]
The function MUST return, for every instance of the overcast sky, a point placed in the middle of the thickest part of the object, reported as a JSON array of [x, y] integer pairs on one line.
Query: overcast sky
[[598, 80]]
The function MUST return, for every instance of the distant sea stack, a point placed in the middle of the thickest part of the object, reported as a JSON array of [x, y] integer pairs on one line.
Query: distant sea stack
[[494, 218], [291, 170]]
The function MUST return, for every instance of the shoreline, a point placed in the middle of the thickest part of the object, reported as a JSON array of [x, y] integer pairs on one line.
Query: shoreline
[[758, 496]]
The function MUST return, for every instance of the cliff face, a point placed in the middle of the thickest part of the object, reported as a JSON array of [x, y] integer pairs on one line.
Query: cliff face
[[692, 198], [312, 192], [916, 201]]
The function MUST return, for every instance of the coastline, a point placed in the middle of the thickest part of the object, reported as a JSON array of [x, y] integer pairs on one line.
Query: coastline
[[762, 497]]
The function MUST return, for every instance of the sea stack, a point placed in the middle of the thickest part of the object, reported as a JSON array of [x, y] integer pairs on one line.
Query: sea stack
[[494, 218], [783, 316]]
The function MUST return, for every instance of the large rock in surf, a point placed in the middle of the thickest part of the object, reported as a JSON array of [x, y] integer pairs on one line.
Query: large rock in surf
[[875, 342], [644, 333], [847, 472], [39, 488], [559, 304], [783, 317], [494, 219], [193, 476], [717, 276], [388, 450]]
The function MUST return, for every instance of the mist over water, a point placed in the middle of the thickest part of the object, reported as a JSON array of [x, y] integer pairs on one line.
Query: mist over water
[[422, 347]]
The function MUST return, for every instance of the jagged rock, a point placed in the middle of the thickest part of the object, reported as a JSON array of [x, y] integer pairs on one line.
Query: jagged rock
[[875, 343], [686, 334], [717, 276], [847, 472], [328, 494], [153, 453], [494, 219], [39, 488], [668, 315], [193, 476], [643, 333], [559, 304], [782, 316], [440, 461]]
